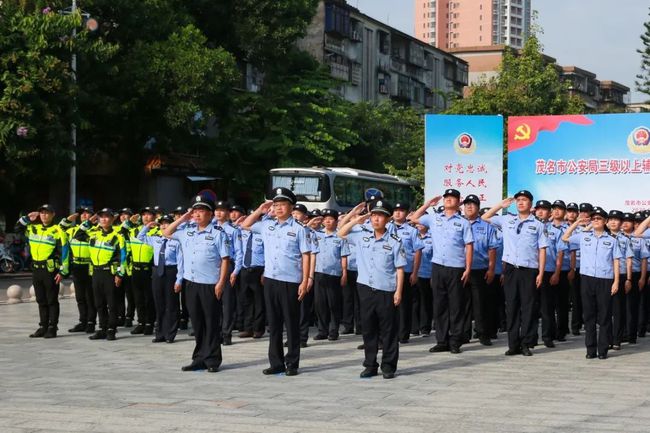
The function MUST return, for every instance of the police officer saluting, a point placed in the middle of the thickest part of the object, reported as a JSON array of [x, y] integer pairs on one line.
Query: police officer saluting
[[167, 258], [79, 269], [48, 246], [453, 252], [380, 260], [250, 285], [524, 257], [599, 268], [206, 251], [108, 261], [330, 274], [286, 277]]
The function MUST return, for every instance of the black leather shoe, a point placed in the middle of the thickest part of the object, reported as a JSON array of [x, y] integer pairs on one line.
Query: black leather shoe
[[213, 369], [603, 356], [110, 335], [158, 340], [561, 338], [138, 330], [455, 350], [148, 330], [616, 347], [512, 352], [368, 372], [90, 328], [485, 342], [632, 341], [79, 327], [348, 331], [361, 347], [439, 348], [576, 332], [40, 332], [257, 335], [227, 340], [193, 367], [404, 341], [99, 335], [121, 321], [128, 323], [320, 337], [526, 351], [51, 332], [590, 355], [292, 372], [169, 341], [388, 375], [191, 334], [303, 344], [332, 337], [549, 344], [273, 370]]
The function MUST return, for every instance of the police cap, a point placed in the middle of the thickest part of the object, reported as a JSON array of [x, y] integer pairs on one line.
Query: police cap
[[639, 217], [483, 210], [147, 209], [451, 192], [221, 204], [126, 210], [330, 213], [616, 214], [373, 194], [284, 194], [628, 216], [401, 205], [200, 202], [573, 207], [179, 210], [559, 204], [586, 207], [106, 211], [315, 213], [301, 208], [381, 206], [543, 204], [598, 211], [166, 219], [238, 208], [524, 193], [472, 199], [46, 207]]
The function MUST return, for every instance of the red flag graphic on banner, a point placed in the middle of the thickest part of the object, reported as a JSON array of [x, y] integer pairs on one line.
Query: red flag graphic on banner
[[523, 131]]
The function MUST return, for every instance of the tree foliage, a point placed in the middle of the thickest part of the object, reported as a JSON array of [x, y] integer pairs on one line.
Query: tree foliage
[[643, 79]]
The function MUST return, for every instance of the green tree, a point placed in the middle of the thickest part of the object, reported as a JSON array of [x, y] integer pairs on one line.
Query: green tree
[[295, 120], [36, 88], [526, 85], [643, 79]]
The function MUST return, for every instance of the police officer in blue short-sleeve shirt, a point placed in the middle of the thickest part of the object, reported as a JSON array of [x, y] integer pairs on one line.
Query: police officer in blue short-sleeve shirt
[[206, 251], [599, 268], [425, 247], [250, 285], [453, 253], [380, 262], [329, 266], [483, 264], [524, 257], [286, 277], [166, 280]]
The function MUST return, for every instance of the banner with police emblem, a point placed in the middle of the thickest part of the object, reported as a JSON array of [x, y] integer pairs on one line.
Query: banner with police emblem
[[464, 153], [601, 159]]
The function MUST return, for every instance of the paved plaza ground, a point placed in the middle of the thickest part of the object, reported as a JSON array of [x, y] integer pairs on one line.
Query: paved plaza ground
[[72, 384]]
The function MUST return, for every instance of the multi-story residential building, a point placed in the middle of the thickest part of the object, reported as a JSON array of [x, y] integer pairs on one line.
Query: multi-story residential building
[[450, 24], [375, 62]]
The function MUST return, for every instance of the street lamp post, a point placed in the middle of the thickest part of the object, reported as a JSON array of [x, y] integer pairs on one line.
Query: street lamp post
[[73, 129]]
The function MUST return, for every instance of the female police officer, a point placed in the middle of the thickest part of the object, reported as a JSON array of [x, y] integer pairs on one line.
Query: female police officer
[[599, 270]]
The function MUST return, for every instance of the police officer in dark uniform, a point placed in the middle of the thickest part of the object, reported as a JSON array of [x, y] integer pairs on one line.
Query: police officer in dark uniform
[[286, 277], [302, 216]]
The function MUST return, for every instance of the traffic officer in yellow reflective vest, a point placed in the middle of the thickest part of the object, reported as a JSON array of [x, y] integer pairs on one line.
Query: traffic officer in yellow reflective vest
[[48, 245], [125, 313], [80, 259], [142, 263], [108, 264]]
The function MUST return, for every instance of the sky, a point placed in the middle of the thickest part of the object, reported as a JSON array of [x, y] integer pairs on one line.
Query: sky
[[601, 36]]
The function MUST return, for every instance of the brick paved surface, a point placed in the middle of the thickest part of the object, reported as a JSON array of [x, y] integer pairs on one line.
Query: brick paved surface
[[131, 385]]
